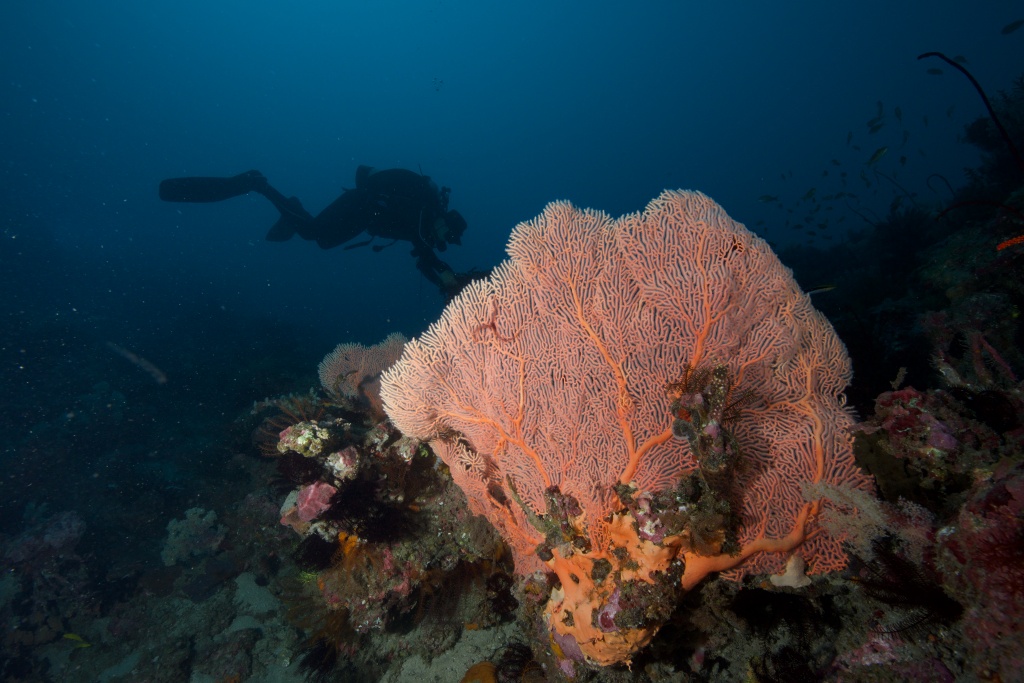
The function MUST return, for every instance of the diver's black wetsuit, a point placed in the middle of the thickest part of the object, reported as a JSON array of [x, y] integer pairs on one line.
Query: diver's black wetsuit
[[394, 204]]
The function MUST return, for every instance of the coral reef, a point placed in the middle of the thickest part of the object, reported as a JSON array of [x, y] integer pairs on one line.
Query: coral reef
[[981, 557], [196, 535], [350, 373], [383, 573]]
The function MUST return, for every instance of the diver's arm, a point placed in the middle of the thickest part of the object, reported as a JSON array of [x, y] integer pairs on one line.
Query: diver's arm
[[434, 269]]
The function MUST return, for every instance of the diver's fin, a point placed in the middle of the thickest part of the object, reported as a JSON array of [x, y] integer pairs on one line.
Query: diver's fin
[[355, 245], [200, 189], [377, 248]]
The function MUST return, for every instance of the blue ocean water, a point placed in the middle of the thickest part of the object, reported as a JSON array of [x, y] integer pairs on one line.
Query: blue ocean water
[[136, 333]]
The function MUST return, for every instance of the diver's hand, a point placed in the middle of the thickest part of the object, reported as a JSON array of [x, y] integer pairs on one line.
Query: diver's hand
[[448, 280]]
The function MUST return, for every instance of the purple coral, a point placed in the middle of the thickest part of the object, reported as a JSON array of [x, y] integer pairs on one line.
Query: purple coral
[[908, 417], [606, 617]]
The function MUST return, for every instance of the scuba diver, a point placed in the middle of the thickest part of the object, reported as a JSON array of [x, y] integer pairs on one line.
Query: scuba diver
[[393, 204]]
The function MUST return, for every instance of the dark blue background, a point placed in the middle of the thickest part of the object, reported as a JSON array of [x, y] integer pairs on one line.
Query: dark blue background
[[510, 104]]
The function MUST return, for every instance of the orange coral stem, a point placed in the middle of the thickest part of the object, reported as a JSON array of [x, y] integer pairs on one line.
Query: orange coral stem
[[699, 566], [634, 461]]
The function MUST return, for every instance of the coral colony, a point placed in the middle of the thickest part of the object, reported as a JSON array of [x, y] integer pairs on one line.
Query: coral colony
[[634, 404]]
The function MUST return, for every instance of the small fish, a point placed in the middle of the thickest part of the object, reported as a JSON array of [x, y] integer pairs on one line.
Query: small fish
[[879, 153], [809, 194], [903, 161], [949, 112], [820, 289], [960, 59], [934, 72], [835, 162], [824, 174], [798, 226], [906, 136], [875, 128], [767, 198], [856, 148], [924, 120], [849, 137], [79, 641], [898, 113], [1012, 26]]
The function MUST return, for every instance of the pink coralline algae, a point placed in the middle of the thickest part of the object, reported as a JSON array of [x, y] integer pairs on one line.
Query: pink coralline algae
[[981, 556], [314, 500], [914, 431], [935, 435], [344, 464], [51, 538]]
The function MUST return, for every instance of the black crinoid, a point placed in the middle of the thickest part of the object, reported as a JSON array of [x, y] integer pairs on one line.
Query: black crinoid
[[380, 504], [916, 601], [706, 406], [363, 508], [516, 665], [329, 653], [279, 414], [332, 647], [795, 632], [315, 553], [320, 662], [294, 470]]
